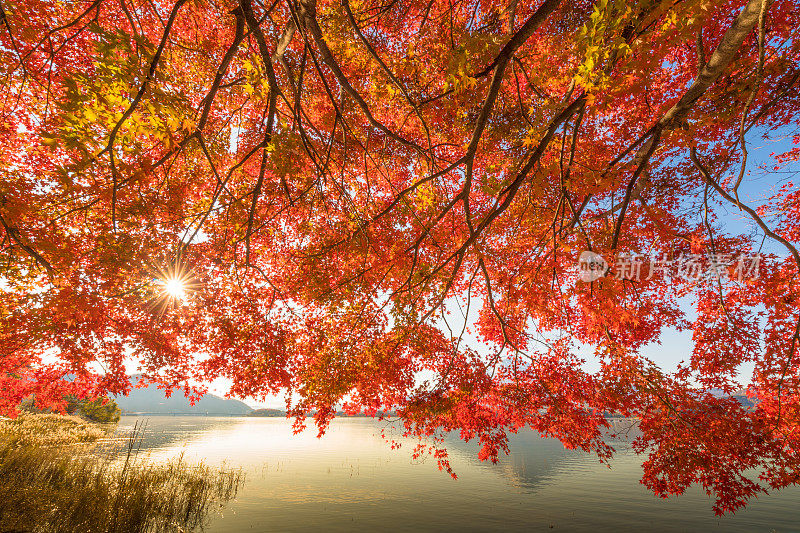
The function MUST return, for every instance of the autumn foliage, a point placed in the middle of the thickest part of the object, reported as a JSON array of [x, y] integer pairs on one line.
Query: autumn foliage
[[353, 192]]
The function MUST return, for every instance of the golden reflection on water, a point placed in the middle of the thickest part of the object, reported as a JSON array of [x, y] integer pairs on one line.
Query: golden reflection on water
[[350, 479]]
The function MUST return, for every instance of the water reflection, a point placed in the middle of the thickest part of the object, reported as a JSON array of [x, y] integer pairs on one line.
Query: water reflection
[[351, 479]]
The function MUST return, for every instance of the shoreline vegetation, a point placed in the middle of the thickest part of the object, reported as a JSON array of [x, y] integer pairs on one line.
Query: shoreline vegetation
[[268, 413], [56, 476]]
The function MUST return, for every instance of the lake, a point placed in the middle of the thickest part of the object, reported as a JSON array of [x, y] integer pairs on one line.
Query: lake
[[351, 479]]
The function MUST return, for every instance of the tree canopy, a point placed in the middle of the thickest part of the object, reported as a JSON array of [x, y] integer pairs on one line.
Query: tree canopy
[[326, 199]]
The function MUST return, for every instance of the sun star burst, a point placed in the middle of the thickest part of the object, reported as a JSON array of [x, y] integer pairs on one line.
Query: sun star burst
[[175, 288]]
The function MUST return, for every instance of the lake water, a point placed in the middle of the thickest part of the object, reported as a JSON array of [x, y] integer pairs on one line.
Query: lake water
[[351, 480]]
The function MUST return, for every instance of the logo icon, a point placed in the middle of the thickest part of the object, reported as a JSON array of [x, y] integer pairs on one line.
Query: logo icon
[[591, 266]]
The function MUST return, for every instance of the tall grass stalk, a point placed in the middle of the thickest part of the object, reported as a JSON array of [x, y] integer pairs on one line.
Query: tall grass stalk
[[65, 489]]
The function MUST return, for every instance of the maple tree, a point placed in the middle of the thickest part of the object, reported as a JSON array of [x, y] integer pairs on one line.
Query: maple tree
[[342, 190]]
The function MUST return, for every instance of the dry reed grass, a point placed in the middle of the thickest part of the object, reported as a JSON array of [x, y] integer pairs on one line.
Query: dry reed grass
[[62, 488], [50, 430]]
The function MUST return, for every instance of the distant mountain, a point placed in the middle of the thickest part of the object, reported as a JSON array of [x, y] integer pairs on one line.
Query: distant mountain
[[739, 395], [151, 400]]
